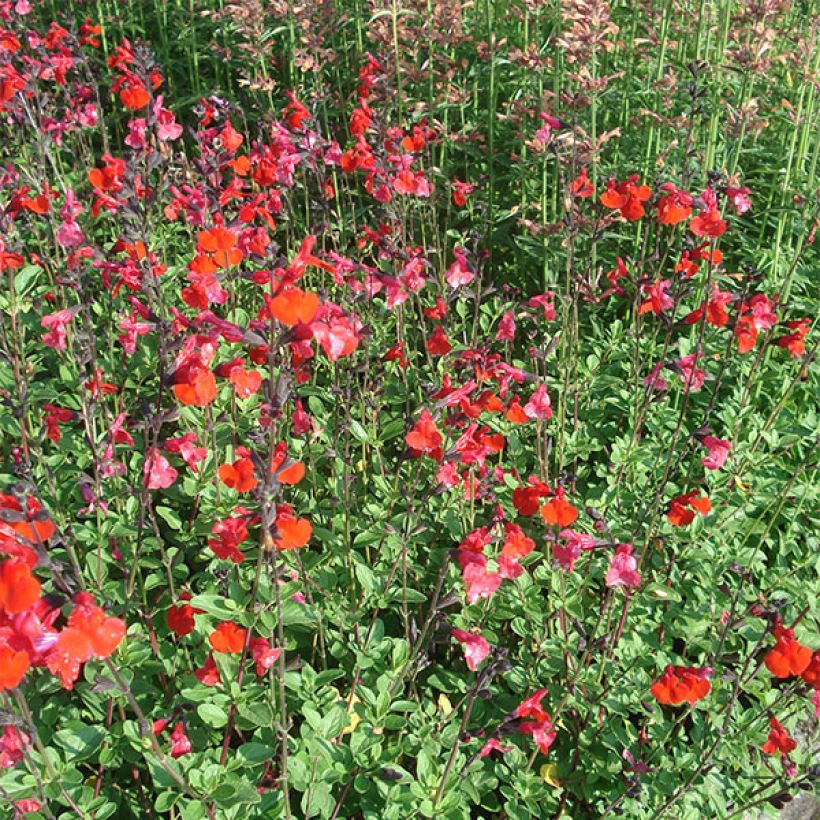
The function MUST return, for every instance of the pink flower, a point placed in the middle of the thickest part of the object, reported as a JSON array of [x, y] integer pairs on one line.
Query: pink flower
[[167, 128], [459, 273], [506, 328], [740, 198], [157, 473], [208, 673], [654, 381], [186, 447], [12, 744], [691, 375], [815, 699], [180, 744], [480, 583], [623, 568], [509, 568], [264, 654], [476, 648], [55, 324], [538, 407], [718, 452], [494, 745]]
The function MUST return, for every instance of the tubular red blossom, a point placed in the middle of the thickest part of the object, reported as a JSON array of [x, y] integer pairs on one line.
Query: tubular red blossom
[[680, 684], [788, 657]]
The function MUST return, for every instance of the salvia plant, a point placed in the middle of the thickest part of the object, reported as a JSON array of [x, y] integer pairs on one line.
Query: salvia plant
[[408, 410]]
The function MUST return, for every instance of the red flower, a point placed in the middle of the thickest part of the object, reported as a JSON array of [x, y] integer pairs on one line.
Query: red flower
[[208, 674], [461, 190], [180, 744], [19, 589], [228, 638], [180, 618], [220, 244], [682, 683], [292, 306], [527, 499], [239, 475], [540, 727], [779, 740], [424, 437], [788, 657], [581, 186], [708, 223], [89, 633], [682, 508], [438, 344], [558, 511], [793, 342], [293, 532], [230, 533], [811, 674], [13, 667], [674, 206], [627, 197]]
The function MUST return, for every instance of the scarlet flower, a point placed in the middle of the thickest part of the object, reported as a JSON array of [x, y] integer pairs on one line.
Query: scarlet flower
[[540, 727], [13, 667], [517, 544], [708, 223], [788, 656], [292, 532], [180, 618], [245, 382], [229, 534], [133, 94], [494, 745], [208, 673], [228, 638], [19, 589], [779, 740], [674, 206], [220, 244], [89, 633], [682, 683], [558, 511], [682, 508], [424, 437], [659, 299], [515, 413], [581, 186], [292, 305], [793, 342], [438, 344], [461, 190], [527, 499], [239, 475], [627, 197], [811, 674], [286, 470]]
